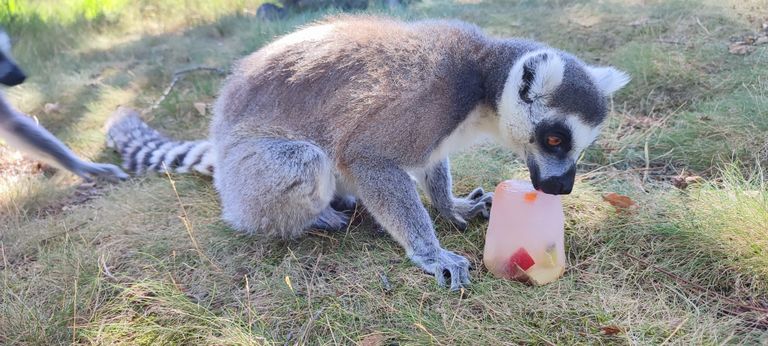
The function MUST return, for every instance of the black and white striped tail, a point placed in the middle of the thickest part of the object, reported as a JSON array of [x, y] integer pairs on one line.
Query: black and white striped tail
[[144, 149]]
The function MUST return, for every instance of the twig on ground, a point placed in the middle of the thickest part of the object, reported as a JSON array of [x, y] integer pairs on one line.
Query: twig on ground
[[308, 326], [647, 161], [5, 259], [105, 269], [74, 304], [670, 42], [679, 325], [425, 330], [702, 26], [177, 77]]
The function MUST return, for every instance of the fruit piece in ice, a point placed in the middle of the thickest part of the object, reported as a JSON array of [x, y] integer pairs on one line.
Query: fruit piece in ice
[[522, 259], [544, 275], [551, 253]]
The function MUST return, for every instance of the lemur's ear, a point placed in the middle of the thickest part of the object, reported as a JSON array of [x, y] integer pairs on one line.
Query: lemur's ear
[[542, 73], [608, 79]]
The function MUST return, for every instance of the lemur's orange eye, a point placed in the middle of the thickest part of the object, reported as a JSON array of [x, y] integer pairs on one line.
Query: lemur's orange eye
[[554, 141]]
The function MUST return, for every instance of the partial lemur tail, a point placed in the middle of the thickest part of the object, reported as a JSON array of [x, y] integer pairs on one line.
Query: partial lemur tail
[[144, 149]]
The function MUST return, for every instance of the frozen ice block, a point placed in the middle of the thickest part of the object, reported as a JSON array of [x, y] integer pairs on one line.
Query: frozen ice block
[[526, 234]]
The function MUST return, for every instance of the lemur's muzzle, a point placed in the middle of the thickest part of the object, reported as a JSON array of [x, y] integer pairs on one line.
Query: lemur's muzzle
[[553, 185]]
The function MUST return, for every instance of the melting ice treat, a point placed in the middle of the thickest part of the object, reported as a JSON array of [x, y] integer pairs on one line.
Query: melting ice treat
[[525, 234]]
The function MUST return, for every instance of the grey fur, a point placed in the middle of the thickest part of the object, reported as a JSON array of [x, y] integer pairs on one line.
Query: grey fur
[[354, 107], [577, 97], [22, 132]]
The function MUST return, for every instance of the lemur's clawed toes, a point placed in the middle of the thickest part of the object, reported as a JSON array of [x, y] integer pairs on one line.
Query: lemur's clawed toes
[[446, 266], [331, 220], [344, 203]]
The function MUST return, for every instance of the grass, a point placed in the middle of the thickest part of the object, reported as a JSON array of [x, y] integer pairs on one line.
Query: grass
[[135, 264]]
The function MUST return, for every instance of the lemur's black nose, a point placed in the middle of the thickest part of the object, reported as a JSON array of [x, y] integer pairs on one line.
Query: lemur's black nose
[[554, 186], [560, 185], [14, 77]]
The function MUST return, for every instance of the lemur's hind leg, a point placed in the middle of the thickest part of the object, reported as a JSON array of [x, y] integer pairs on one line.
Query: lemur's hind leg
[[276, 186], [436, 183]]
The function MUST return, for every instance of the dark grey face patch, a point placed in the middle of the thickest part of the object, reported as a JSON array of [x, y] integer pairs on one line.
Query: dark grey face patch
[[547, 129], [578, 95]]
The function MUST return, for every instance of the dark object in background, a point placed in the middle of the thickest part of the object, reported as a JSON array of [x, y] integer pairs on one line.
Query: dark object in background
[[271, 12]]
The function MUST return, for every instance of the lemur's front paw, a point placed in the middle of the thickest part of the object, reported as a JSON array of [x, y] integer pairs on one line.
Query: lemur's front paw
[[331, 220], [442, 264], [478, 202], [106, 170]]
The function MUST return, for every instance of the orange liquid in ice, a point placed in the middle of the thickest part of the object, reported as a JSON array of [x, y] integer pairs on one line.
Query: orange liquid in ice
[[525, 239]]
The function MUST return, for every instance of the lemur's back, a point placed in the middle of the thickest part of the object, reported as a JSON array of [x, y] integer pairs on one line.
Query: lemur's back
[[345, 79]]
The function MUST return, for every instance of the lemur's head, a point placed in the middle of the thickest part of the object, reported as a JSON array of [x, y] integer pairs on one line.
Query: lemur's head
[[551, 108], [10, 73]]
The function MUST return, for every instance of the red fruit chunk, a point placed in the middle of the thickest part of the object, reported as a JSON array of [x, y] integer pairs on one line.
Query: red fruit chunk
[[522, 259]]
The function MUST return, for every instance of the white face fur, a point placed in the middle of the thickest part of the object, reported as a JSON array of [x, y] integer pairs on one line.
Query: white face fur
[[5, 44], [528, 124]]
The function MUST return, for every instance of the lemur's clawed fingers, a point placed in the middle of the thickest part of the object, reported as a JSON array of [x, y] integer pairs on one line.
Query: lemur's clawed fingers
[[478, 202], [487, 201], [445, 265], [460, 223], [105, 170], [475, 194]]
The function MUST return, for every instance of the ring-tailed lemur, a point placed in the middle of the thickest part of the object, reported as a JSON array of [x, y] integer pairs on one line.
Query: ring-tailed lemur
[[22, 132], [355, 107]]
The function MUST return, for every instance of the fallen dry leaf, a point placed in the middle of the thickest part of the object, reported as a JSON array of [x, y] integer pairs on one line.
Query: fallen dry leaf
[[610, 330], [643, 122], [620, 202], [679, 183], [51, 108], [740, 48], [682, 182], [200, 107], [694, 179], [373, 340]]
